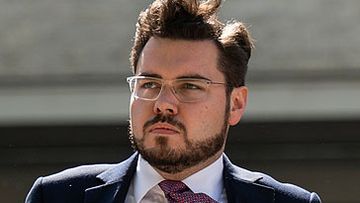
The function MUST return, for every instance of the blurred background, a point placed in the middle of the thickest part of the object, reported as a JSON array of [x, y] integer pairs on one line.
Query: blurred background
[[64, 98]]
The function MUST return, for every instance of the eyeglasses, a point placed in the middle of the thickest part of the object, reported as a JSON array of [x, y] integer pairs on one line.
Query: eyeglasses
[[184, 89]]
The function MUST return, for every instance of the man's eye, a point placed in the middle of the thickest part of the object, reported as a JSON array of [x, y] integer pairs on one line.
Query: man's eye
[[191, 86], [150, 85]]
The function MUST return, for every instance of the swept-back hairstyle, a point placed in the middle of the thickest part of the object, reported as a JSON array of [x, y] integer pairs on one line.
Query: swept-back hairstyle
[[196, 20]]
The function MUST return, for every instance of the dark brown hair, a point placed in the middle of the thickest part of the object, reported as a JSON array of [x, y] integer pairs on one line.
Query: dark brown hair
[[196, 20]]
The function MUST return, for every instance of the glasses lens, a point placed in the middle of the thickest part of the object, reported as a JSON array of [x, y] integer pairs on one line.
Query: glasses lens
[[146, 88], [186, 90], [190, 90]]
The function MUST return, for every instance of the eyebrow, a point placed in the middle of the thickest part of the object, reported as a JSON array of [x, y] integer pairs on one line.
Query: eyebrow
[[189, 76], [193, 76], [154, 75]]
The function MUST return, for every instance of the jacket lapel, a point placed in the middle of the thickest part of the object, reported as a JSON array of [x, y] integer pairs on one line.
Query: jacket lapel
[[241, 186], [116, 183]]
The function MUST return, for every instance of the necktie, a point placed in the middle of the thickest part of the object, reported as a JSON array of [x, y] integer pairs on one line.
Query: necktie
[[178, 192]]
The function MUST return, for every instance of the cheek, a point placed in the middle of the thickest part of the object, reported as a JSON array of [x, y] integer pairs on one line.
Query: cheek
[[139, 108], [139, 114], [206, 120]]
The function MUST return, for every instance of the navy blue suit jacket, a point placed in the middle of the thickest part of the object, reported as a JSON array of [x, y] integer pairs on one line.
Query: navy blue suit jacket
[[109, 183]]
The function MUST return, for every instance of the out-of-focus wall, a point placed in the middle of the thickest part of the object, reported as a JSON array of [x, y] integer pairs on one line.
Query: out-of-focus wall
[[65, 61]]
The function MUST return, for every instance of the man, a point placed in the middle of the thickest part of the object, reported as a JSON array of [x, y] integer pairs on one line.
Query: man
[[187, 90]]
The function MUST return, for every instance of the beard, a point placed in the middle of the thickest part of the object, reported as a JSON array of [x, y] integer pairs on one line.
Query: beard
[[171, 160]]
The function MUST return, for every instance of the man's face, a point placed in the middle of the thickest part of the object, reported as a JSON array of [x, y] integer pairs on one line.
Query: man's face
[[173, 135]]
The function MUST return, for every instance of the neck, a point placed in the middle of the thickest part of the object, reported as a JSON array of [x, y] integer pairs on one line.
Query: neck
[[191, 170]]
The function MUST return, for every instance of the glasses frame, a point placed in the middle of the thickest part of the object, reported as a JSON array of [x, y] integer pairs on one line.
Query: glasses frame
[[170, 82]]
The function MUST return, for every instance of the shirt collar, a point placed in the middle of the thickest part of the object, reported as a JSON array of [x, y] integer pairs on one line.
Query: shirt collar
[[211, 179], [146, 177]]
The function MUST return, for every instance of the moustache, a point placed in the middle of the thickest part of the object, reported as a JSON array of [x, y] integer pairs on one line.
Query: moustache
[[165, 119]]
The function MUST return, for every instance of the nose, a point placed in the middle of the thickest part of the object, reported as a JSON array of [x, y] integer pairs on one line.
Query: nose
[[166, 102]]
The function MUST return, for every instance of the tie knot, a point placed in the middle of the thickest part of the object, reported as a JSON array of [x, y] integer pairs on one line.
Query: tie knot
[[178, 192], [173, 186]]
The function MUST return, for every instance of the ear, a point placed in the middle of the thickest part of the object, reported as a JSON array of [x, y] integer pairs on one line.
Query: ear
[[238, 100]]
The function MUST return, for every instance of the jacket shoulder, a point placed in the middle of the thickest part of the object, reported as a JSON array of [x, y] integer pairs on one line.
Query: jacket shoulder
[[86, 172], [284, 192], [255, 183], [66, 186], [71, 184]]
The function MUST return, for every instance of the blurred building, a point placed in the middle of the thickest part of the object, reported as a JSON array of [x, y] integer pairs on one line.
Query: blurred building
[[64, 98]]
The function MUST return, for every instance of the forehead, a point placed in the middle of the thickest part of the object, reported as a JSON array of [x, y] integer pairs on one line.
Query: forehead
[[170, 58]]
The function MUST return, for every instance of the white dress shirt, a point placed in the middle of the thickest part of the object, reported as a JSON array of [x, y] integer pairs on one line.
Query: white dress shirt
[[144, 186]]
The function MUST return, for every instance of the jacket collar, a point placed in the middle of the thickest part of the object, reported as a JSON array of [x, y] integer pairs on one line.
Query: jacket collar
[[116, 183], [241, 185]]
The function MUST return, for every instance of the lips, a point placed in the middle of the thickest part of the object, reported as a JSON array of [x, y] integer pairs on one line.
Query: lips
[[163, 128]]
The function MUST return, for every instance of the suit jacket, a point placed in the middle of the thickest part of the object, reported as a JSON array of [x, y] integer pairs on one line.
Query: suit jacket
[[109, 183]]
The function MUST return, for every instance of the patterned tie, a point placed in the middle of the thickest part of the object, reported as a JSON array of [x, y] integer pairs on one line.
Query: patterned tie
[[178, 192]]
